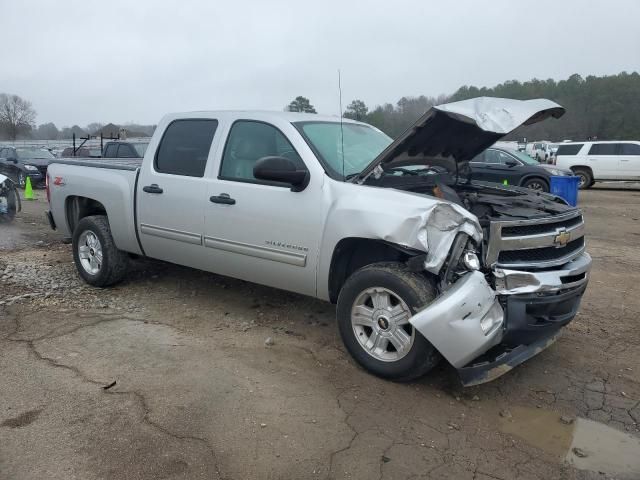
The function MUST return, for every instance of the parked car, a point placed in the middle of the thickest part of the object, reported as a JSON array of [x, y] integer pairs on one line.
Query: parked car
[[600, 161], [517, 168], [421, 264], [122, 149], [18, 163]]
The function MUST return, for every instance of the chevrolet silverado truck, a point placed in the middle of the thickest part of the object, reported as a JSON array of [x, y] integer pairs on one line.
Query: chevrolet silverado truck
[[422, 262]]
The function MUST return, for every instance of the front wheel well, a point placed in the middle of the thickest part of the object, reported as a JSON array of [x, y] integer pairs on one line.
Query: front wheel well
[[351, 254], [76, 208], [582, 167]]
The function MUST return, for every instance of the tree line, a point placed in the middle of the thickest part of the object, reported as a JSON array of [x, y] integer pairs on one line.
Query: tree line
[[606, 107]]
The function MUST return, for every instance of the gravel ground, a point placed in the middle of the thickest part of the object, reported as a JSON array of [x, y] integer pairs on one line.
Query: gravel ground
[[177, 373]]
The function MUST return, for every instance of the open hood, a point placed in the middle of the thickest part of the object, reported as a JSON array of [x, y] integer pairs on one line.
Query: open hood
[[454, 133]]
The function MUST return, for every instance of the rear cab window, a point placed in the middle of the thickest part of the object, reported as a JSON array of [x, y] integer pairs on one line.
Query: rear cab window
[[184, 147]]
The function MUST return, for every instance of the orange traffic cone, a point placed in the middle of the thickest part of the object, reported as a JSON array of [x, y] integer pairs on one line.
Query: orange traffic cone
[[28, 189]]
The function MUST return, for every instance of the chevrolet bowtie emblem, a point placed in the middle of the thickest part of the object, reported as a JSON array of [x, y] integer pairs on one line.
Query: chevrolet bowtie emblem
[[562, 238]]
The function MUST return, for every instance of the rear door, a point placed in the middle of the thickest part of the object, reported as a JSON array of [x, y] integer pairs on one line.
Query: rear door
[[629, 160], [603, 160], [171, 192]]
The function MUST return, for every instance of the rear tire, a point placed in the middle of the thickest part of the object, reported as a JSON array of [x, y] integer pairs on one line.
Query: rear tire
[[374, 306], [97, 259], [586, 179], [536, 183]]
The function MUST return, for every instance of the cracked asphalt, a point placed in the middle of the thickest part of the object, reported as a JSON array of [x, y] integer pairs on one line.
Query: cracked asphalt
[[168, 376]]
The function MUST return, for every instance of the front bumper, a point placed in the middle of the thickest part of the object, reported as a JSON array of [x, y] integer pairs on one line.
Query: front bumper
[[527, 311]]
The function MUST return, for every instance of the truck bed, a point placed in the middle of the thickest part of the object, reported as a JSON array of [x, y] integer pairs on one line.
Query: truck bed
[[132, 164]]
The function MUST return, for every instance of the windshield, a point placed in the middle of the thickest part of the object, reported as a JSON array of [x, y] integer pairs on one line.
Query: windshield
[[360, 144], [140, 148], [27, 153], [524, 158]]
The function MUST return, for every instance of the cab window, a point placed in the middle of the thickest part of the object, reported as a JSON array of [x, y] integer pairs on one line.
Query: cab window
[[248, 142]]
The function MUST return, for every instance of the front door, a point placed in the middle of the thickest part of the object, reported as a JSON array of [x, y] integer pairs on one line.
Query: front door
[[171, 192], [262, 231]]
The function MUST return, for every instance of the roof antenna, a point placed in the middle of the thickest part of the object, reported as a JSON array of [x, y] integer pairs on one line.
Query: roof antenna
[[341, 130]]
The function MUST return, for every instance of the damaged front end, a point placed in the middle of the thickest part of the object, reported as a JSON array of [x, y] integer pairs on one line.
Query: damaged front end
[[527, 285], [510, 263]]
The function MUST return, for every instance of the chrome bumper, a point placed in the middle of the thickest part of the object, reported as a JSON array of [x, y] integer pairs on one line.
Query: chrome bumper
[[452, 323], [570, 275]]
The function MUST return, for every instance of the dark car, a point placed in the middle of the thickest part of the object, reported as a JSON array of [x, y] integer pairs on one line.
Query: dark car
[[499, 164], [121, 149], [80, 152], [18, 163]]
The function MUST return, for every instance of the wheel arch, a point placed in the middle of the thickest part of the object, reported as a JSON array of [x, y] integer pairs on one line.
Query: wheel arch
[[352, 253], [582, 167], [77, 207], [530, 176]]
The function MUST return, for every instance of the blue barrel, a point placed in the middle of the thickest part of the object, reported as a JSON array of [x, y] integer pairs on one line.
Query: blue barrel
[[566, 187]]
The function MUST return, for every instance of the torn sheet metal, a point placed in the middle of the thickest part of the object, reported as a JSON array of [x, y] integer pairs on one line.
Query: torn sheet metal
[[452, 321], [441, 225], [456, 132]]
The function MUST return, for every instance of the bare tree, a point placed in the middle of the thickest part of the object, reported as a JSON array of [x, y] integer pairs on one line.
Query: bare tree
[[16, 115]]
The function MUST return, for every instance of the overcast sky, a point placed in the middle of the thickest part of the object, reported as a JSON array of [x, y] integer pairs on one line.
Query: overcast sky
[[122, 61]]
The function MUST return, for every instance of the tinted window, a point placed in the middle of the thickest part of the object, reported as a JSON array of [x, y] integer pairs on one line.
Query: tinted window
[[250, 141], [125, 151], [110, 151], [184, 147], [569, 149], [478, 158], [603, 149], [496, 156], [629, 149]]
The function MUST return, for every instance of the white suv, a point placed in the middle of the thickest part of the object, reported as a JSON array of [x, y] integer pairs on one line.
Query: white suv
[[600, 161]]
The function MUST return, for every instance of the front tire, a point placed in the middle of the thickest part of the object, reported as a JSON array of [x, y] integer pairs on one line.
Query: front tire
[[374, 307], [536, 184], [586, 179], [97, 259]]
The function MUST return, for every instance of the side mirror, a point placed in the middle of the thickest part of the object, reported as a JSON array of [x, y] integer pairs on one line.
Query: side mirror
[[511, 163], [281, 169]]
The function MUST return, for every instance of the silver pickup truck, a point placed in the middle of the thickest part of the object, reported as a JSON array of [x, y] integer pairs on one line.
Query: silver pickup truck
[[421, 262]]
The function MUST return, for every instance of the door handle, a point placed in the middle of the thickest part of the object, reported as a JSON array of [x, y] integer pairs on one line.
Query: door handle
[[223, 198], [153, 188]]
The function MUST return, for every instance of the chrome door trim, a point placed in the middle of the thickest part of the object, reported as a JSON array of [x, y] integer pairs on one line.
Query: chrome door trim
[[258, 251], [171, 234]]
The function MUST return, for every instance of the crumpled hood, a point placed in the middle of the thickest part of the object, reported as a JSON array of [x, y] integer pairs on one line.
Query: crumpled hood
[[456, 132]]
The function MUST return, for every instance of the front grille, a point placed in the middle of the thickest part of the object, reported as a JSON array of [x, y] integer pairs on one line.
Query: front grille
[[537, 229], [43, 170], [536, 243], [545, 254]]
